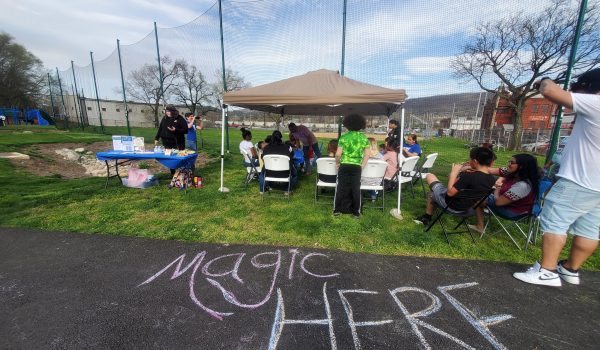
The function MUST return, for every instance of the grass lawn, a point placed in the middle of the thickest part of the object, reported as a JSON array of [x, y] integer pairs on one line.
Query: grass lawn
[[241, 216]]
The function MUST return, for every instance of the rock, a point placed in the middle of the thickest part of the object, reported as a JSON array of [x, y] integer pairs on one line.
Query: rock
[[79, 150], [68, 154], [14, 155]]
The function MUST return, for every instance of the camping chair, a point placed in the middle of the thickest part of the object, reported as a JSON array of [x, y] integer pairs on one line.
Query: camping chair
[[375, 169], [252, 171], [424, 169], [326, 175], [471, 196], [523, 222], [534, 223], [276, 162]]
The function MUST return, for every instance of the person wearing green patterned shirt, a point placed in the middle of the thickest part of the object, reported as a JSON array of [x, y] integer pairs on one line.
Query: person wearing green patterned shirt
[[351, 156]]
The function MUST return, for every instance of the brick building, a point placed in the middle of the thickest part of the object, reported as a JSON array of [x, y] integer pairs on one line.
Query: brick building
[[537, 114]]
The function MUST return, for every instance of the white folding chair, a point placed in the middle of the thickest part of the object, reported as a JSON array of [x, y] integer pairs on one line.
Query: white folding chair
[[252, 171], [276, 162], [421, 173], [375, 169], [407, 172], [326, 175]]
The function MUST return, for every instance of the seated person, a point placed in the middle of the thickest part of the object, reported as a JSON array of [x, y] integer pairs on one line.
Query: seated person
[[477, 178], [411, 148], [515, 191], [391, 157], [259, 149], [332, 148], [382, 149], [247, 149], [278, 147], [374, 149]]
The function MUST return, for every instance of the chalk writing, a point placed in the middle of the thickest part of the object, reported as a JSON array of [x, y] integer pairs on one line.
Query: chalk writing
[[226, 274], [235, 262], [353, 324], [414, 318], [280, 320], [481, 325]]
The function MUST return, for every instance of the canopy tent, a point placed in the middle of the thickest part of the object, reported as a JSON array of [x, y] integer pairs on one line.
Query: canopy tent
[[321, 92]]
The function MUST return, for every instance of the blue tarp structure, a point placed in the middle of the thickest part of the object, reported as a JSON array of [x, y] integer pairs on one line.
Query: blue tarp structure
[[29, 117]]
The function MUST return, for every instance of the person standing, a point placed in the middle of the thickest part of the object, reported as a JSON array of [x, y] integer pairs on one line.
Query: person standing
[[351, 157], [191, 139], [309, 140], [172, 129], [573, 203], [394, 138]]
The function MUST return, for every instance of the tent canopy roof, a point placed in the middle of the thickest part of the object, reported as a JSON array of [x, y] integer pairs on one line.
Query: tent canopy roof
[[321, 92]]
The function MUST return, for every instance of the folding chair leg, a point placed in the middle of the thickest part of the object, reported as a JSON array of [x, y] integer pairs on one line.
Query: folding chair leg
[[505, 230], [423, 186]]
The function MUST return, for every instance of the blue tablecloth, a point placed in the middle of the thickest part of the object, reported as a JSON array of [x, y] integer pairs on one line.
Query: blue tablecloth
[[171, 162]]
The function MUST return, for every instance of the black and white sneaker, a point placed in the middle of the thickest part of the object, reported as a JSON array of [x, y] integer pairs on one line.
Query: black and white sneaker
[[423, 220], [567, 275]]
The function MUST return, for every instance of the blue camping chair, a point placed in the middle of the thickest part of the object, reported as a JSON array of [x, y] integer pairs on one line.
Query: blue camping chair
[[527, 224]]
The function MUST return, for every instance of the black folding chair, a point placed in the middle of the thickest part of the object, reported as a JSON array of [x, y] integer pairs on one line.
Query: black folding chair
[[474, 197]]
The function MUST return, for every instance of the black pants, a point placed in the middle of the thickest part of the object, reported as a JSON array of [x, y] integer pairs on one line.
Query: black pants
[[347, 192]]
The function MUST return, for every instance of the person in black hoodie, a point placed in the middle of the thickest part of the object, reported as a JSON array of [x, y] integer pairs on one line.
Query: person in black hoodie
[[276, 146], [172, 129]]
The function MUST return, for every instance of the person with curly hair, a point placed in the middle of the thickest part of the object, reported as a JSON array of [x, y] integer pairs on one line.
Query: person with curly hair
[[351, 157]]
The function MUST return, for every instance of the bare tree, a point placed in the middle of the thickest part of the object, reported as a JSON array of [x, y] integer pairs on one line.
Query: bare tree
[[521, 49], [144, 84], [234, 82], [191, 89]]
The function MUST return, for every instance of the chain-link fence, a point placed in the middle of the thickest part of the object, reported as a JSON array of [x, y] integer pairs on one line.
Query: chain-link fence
[[410, 44]]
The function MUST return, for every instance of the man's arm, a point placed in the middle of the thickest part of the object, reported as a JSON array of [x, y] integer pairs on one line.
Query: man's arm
[[555, 93], [452, 191]]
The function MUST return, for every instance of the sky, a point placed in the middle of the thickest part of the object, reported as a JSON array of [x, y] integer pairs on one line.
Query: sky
[[394, 43]]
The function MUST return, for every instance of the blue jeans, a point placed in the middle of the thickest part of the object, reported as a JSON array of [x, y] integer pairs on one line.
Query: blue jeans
[[191, 144], [305, 148]]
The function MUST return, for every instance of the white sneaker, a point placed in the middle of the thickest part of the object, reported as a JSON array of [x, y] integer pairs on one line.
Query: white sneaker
[[566, 275], [538, 275]]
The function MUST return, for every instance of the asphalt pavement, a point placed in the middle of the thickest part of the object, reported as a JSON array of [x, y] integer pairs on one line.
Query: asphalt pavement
[[72, 291]]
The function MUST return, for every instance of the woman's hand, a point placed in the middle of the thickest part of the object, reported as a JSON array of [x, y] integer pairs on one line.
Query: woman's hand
[[499, 182]]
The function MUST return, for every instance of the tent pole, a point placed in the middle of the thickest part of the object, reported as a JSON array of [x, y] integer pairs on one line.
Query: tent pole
[[222, 188], [397, 212]]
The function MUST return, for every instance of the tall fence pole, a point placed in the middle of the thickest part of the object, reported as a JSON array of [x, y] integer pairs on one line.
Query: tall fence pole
[[76, 96], [160, 72], [62, 97], [75, 106], [343, 58], [123, 87], [96, 90], [224, 75], [51, 97], [558, 122]]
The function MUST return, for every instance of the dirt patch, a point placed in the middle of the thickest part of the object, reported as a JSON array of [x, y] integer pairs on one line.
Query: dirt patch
[[45, 161]]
